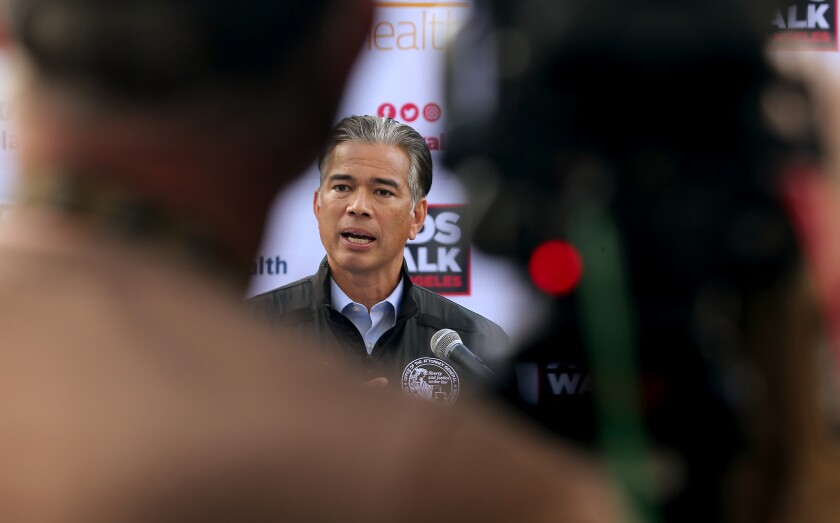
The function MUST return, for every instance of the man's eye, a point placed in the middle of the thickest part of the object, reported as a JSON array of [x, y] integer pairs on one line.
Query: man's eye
[[383, 192], [341, 188]]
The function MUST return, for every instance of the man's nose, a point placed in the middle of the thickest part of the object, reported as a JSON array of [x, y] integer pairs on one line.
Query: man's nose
[[359, 205]]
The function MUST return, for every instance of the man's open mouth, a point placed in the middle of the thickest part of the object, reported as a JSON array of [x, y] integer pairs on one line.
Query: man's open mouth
[[359, 239]]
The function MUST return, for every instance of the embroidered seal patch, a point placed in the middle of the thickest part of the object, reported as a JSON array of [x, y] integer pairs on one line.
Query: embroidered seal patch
[[431, 379]]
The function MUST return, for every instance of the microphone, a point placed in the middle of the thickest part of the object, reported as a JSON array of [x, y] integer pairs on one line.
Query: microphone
[[447, 345]]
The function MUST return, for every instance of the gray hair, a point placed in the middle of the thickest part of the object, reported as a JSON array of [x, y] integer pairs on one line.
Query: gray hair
[[380, 130]]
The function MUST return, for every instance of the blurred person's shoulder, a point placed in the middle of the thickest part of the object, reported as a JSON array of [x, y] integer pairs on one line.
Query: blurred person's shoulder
[[71, 283], [299, 294]]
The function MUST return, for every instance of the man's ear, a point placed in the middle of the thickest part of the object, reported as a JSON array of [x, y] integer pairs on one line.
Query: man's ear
[[316, 203], [418, 217]]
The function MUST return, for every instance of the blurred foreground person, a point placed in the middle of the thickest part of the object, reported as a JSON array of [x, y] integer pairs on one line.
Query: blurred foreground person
[[656, 177], [134, 389]]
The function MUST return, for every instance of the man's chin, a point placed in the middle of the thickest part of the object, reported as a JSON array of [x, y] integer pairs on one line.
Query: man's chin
[[353, 261]]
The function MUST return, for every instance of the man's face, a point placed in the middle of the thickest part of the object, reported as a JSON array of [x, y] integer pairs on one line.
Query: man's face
[[364, 208]]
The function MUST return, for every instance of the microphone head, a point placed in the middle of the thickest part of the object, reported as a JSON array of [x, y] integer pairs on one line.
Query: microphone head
[[443, 341]]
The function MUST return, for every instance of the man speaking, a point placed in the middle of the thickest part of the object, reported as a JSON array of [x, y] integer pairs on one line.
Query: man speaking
[[375, 175]]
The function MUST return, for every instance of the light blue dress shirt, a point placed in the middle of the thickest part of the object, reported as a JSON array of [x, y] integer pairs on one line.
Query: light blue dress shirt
[[371, 324]]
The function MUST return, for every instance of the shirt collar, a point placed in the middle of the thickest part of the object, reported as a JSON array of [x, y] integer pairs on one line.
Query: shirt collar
[[340, 300]]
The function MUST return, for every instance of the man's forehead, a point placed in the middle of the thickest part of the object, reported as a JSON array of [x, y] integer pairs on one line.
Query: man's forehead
[[369, 160], [364, 148]]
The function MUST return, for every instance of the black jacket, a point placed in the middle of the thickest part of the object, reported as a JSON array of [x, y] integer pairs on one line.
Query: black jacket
[[305, 307]]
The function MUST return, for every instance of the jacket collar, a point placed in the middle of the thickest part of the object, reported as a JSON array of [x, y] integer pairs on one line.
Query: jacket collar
[[321, 287]]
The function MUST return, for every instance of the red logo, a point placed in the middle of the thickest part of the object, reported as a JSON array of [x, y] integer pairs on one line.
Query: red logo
[[432, 112], [439, 257], [409, 112], [387, 111]]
